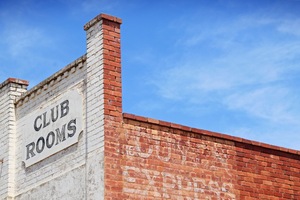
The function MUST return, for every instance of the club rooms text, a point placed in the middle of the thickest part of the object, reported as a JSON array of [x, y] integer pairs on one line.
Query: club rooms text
[[53, 129]]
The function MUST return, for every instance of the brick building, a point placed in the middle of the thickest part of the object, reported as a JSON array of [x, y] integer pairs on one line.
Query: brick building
[[67, 138]]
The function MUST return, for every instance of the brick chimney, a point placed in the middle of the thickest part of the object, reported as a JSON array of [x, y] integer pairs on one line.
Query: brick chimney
[[103, 98]]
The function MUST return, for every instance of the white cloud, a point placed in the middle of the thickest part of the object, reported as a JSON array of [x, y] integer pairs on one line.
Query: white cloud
[[18, 39], [273, 103], [290, 26], [249, 72], [27, 50]]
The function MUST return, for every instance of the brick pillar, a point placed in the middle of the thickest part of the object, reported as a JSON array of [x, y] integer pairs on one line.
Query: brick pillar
[[104, 63], [10, 90], [103, 97], [112, 108], [112, 68]]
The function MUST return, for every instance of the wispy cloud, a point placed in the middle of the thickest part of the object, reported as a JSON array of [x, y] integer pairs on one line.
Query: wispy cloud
[[19, 39], [26, 46], [290, 27], [273, 103], [254, 58]]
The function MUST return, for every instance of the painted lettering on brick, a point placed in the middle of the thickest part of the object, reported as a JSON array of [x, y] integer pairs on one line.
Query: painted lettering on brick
[[174, 186], [191, 169], [52, 128], [168, 149]]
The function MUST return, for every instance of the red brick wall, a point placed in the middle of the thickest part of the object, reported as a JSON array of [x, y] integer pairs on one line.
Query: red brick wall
[[166, 163], [112, 105], [151, 159], [266, 173]]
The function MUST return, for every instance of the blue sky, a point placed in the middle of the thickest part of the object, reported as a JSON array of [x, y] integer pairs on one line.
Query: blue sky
[[228, 66]]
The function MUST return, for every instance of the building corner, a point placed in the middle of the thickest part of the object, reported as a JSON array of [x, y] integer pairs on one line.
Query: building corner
[[103, 99], [10, 91]]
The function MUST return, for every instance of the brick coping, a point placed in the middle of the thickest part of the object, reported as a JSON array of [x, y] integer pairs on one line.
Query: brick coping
[[209, 133], [14, 80], [57, 76], [98, 18]]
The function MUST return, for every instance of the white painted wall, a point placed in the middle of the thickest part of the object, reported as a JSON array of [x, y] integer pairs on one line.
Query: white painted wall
[[62, 175], [8, 93]]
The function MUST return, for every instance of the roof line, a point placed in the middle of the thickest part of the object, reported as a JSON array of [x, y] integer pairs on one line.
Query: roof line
[[78, 62], [209, 133]]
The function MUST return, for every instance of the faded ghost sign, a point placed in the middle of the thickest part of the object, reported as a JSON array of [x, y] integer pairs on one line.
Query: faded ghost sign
[[52, 128]]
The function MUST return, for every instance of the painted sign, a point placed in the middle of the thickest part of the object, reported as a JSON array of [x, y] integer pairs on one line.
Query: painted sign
[[52, 127]]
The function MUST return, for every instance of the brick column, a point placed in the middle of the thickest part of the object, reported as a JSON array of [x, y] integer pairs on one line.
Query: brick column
[[104, 63], [10, 90], [103, 98], [112, 68], [112, 108]]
